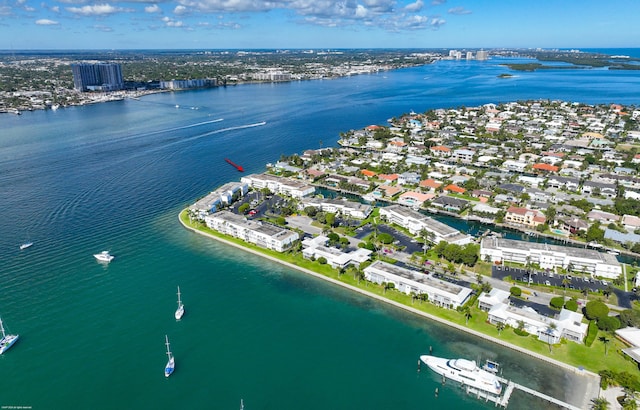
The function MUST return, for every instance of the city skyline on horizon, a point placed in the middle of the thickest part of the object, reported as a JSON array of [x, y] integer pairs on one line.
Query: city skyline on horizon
[[312, 24]]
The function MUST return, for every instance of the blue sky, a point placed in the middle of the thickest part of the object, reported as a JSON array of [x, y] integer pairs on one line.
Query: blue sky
[[216, 24]]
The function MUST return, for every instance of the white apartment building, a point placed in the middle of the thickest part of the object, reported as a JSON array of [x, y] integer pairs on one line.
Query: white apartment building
[[415, 222], [279, 185], [264, 235], [439, 292], [599, 264]]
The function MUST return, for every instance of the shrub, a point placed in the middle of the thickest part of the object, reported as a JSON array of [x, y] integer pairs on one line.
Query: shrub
[[596, 310], [592, 332], [608, 323], [572, 305], [322, 260], [516, 291], [557, 302], [520, 332]]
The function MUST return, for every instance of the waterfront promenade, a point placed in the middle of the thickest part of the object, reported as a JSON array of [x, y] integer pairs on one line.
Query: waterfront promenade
[[581, 395]]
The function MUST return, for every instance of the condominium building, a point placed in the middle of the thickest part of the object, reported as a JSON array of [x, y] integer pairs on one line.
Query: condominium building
[[439, 292], [262, 234], [97, 77], [550, 256]]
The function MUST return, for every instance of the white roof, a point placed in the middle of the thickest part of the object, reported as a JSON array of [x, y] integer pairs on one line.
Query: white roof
[[630, 335]]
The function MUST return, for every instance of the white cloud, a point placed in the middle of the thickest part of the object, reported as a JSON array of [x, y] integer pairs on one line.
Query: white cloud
[[459, 11], [152, 9], [46, 22], [179, 10], [172, 23], [97, 10], [414, 7], [438, 2], [55, 9]]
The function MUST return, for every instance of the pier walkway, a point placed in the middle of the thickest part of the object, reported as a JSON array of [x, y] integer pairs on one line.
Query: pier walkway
[[511, 386]]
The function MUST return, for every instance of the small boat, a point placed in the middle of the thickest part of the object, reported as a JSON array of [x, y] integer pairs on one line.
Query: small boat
[[171, 364], [491, 366], [104, 256], [238, 167], [7, 340], [465, 372], [180, 310], [614, 253], [26, 245]]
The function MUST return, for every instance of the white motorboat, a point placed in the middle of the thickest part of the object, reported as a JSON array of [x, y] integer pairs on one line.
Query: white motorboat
[[465, 372], [7, 340], [180, 310], [26, 245], [171, 364], [104, 256]]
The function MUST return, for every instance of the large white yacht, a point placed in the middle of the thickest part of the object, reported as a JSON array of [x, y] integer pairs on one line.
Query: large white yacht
[[464, 371]]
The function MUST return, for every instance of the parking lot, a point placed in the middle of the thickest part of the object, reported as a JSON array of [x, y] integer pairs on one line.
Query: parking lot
[[549, 278]]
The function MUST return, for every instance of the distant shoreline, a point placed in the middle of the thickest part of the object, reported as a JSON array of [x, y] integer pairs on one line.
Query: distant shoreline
[[589, 389]]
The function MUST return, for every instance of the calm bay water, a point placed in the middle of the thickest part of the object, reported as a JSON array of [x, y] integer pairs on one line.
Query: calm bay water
[[114, 176]]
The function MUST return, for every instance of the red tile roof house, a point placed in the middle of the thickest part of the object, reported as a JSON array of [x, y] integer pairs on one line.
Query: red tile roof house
[[545, 167], [455, 188], [523, 216], [367, 173], [440, 151], [388, 177], [430, 184]]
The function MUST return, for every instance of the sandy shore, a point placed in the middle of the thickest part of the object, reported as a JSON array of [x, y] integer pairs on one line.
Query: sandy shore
[[586, 384]]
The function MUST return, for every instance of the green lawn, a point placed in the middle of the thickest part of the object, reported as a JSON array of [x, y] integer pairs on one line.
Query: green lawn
[[576, 354]]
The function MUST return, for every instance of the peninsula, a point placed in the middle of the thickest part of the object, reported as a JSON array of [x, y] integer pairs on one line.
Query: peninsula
[[549, 168]]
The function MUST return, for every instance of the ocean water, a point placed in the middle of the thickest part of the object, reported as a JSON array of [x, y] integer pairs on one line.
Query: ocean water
[[114, 176]]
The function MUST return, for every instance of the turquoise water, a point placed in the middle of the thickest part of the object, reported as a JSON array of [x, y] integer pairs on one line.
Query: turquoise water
[[114, 176]]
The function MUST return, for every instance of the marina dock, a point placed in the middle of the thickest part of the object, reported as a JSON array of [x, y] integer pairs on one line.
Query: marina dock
[[503, 400]]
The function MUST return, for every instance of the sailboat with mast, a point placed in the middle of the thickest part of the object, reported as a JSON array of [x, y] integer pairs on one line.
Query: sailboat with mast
[[171, 364], [7, 340], [180, 310]]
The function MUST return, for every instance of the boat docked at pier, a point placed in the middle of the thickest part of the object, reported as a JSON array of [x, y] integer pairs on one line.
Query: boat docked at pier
[[465, 372], [7, 340]]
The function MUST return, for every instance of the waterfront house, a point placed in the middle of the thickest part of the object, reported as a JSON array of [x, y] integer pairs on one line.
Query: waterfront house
[[414, 199], [430, 184], [602, 217], [450, 204], [524, 217], [439, 292]]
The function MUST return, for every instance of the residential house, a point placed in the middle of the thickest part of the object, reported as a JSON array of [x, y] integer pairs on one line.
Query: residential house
[[524, 217], [450, 204], [601, 188]]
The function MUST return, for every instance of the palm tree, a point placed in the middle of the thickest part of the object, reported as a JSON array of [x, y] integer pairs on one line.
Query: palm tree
[[500, 326], [467, 313], [550, 331], [599, 403], [605, 340], [585, 292]]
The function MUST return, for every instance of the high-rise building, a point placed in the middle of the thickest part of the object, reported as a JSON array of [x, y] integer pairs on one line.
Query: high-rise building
[[97, 77], [482, 55]]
